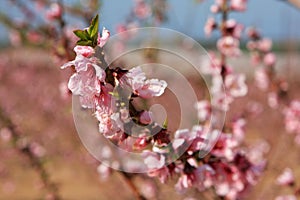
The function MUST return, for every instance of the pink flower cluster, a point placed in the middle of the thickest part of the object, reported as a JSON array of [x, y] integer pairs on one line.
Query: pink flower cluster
[[234, 5], [229, 167], [226, 85], [260, 48], [226, 168], [97, 88]]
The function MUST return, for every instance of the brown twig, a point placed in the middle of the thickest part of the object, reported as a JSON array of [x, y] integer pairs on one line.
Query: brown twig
[[223, 32]]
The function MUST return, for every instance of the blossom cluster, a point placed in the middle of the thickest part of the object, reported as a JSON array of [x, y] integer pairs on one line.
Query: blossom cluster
[[228, 167]]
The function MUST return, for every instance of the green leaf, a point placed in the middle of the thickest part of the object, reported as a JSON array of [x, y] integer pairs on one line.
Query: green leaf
[[89, 37], [93, 29], [84, 42], [82, 34]]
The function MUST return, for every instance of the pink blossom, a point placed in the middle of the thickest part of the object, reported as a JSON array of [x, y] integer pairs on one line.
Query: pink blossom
[[212, 65], [190, 140], [146, 117], [148, 188], [182, 137], [225, 147], [85, 51], [286, 177], [222, 189], [105, 102], [86, 84], [54, 12], [234, 28], [109, 126], [203, 109], [235, 85], [136, 79], [141, 142], [214, 8], [230, 24], [210, 26], [37, 149], [142, 10], [229, 46], [162, 173], [286, 197], [198, 178], [264, 44], [253, 33], [238, 129], [102, 40], [269, 59], [219, 2], [238, 30], [257, 151], [201, 138], [238, 5], [86, 81], [261, 79], [292, 117], [222, 101], [153, 160], [104, 171], [273, 100]]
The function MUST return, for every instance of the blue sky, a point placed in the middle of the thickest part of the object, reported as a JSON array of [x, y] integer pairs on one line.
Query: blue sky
[[276, 19]]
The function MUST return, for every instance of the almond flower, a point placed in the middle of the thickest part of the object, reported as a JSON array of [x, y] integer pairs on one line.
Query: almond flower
[[235, 85], [85, 51], [229, 46], [102, 40], [203, 109], [199, 178], [225, 147], [265, 44], [54, 12], [209, 26], [136, 79], [234, 28], [238, 5], [86, 81], [153, 160], [211, 65], [238, 129], [269, 59], [286, 178], [261, 79]]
